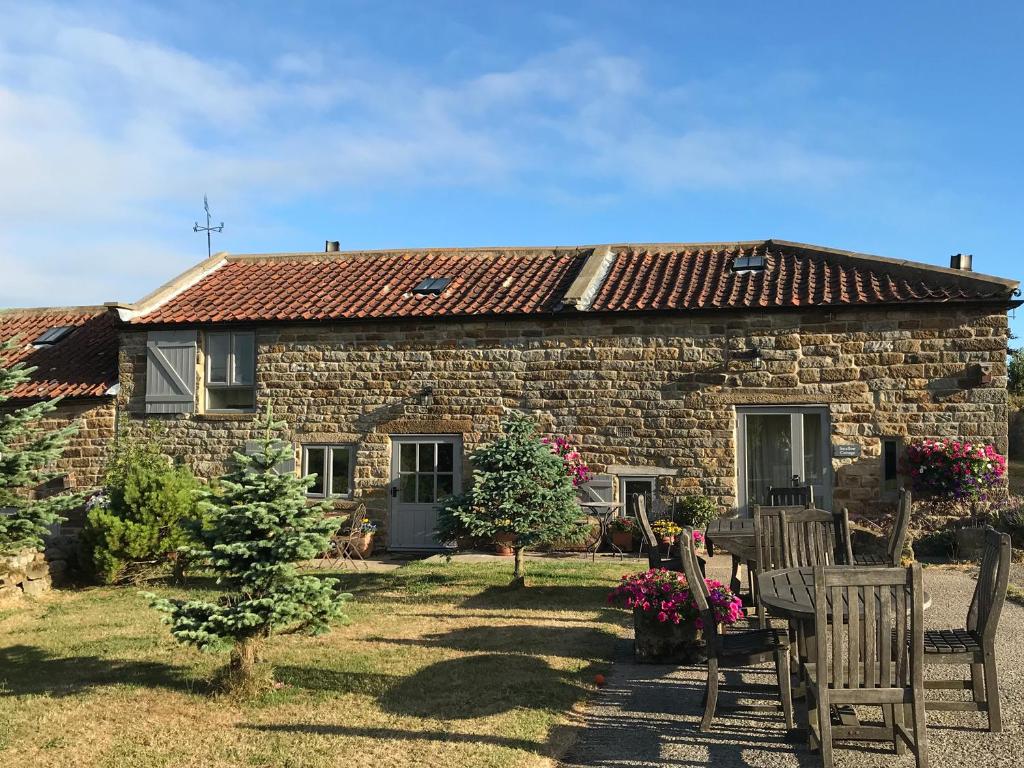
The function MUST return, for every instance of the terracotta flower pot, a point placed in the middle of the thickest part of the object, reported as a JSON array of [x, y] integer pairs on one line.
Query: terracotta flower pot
[[623, 540], [364, 544], [668, 541], [504, 543]]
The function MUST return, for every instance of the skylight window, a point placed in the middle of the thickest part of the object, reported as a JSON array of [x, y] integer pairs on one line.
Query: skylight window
[[51, 336], [432, 286], [752, 263]]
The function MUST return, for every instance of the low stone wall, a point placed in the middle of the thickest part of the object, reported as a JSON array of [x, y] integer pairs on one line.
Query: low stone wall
[[30, 572]]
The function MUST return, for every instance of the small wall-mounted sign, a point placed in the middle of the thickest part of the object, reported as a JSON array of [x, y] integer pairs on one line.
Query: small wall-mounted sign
[[845, 451]]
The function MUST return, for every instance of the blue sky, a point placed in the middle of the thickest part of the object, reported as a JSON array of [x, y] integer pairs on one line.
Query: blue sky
[[890, 128]]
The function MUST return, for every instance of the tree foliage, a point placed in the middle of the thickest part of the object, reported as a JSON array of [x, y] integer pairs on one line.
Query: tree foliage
[[520, 487], [257, 528], [1015, 372], [28, 452], [144, 516]]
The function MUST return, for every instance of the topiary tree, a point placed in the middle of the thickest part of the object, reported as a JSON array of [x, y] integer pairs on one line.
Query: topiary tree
[[257, 528], [137, 526], [520, 487], [27, 455]]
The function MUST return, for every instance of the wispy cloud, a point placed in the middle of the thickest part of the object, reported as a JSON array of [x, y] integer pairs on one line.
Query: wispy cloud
[[102, 129]]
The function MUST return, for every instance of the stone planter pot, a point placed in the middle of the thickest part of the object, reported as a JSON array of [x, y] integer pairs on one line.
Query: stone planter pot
[[970, 543], [503, 544], [658, 642], [623, 540]]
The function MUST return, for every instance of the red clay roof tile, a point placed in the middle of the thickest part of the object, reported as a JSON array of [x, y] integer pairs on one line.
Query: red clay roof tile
[[82, 364]]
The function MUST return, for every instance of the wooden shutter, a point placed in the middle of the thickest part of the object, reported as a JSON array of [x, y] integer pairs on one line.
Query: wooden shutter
[[598, 488], [171, 372]]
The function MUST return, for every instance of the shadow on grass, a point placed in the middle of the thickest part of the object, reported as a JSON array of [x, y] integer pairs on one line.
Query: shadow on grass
[[536, 640], [334, 681], [540, 598], [390, 734], [25, 669]]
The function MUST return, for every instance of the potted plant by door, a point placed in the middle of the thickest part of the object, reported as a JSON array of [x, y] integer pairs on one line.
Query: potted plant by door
[[622, 530], [666, 531], [666, 623], [364, 542]]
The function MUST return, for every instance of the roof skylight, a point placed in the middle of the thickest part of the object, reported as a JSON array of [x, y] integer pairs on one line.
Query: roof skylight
[[51, 336], [432, 286], [752, 263]]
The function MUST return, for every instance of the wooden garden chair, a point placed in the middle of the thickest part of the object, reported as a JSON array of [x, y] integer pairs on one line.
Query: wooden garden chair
[[975, 644], [735, 649], [655, 558], [868, 653], [768, 545], [809, 538], [897, 536], [789, 496]]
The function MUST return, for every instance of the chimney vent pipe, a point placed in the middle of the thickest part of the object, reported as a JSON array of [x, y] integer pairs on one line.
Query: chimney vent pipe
[[963, 261], [332, 246]]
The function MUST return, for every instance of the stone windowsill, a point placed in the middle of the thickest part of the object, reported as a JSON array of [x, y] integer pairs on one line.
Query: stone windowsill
[[227, 416]]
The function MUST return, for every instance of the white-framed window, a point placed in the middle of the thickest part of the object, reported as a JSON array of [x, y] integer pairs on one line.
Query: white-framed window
[[334, 467], [890, 479], [230, 370]]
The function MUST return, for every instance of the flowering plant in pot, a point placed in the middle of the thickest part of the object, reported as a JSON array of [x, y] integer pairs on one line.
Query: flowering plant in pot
[[666, 620], [622, 530], [367, 529], [958, 474], [666, 530]]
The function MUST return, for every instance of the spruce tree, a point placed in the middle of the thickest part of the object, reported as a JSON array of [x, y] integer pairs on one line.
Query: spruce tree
[[257, 527], [27, 455], [520, 486]]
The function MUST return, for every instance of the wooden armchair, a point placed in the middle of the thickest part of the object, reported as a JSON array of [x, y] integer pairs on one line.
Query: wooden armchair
[[737, 649], [809, 538], [655, 558], [975, 644], [872, 656], [897, 536], [789, 496]]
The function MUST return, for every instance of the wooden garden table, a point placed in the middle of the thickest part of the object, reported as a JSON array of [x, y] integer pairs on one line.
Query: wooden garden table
[[736, 536]]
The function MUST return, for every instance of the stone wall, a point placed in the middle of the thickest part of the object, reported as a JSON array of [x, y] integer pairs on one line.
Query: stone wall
[[654, 390], [29, 572]]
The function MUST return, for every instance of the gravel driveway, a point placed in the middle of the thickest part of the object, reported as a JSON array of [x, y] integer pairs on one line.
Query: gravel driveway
[[648, 715]]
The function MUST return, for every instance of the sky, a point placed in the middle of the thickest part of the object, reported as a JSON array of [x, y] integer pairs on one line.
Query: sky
[[888, 128]]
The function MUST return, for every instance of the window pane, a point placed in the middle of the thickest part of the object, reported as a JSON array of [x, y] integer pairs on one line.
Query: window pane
[[426, 457], [407, 457], [890, 463], [813, 453], [634, 488], [445, 486], [245, 357], [425, 494], [445, 457], [769, 455], [230, 399], [407, 488], [339, 470], [217, 348], [315, 466]]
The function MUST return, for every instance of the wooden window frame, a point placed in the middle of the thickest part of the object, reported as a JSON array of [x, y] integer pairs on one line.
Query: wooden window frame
[[230, 383], [329, 449], [889, 493]]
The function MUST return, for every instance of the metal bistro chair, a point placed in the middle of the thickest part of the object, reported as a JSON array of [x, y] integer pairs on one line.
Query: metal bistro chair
[[872, 656], [897, 536], [975, 645], [735, 649], [342, 549]]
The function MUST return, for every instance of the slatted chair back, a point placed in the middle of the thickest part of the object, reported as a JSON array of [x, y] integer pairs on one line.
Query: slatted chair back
[[900, 525], [874, 656], [844, 541], [640, 506], [789, 496], [698, 588], [808, 538], [768, 536], [990, 590]]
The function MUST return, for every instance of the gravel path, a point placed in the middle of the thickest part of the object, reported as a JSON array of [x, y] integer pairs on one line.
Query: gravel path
[[648, 715]]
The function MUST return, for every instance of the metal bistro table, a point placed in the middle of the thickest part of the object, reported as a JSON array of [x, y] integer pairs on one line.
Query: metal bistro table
[[603, 511], [736, 536], [788, 593]]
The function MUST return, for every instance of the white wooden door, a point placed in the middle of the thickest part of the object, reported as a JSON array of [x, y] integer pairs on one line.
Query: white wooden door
[[424, 470]]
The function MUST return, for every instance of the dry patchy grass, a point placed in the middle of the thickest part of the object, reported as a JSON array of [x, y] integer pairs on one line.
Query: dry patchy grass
[[439, 665]]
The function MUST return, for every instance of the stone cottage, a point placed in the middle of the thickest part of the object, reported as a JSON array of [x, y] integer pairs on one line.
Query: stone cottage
[[74, 350], [718, 369]]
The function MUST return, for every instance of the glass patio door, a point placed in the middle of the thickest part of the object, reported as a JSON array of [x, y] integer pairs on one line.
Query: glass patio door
[[424, 470], [781, 447]]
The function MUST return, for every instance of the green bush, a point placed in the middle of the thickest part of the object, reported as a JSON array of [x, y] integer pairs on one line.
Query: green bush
[[696, 512], [136, 527]]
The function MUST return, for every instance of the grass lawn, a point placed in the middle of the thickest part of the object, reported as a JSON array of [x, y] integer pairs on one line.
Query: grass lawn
[[440, 665]]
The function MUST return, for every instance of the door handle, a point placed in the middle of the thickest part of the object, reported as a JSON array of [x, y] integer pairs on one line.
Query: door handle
[[394, 491]]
